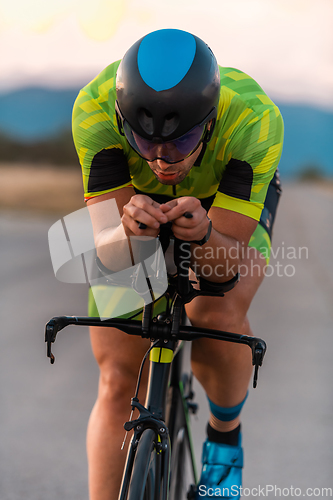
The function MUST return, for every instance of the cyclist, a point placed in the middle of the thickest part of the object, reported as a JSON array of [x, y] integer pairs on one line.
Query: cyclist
[[167, 131]]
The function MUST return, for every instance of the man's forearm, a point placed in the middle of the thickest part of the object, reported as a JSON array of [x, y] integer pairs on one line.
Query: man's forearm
[[113, 249], [218, 259]]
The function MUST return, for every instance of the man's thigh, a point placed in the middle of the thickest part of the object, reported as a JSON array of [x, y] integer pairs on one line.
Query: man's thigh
[[230, 311], [224, 368], [118, 355]]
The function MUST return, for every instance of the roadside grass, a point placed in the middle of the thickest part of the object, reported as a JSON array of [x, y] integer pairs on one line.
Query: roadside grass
[[49, 189], [41, 188]]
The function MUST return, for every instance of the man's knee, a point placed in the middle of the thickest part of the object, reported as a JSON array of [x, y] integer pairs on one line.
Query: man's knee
[[119, 357], [116, 386], [219, 313], [204, 349]]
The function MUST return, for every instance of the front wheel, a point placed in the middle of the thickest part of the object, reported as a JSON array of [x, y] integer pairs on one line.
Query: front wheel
[[144, 484]]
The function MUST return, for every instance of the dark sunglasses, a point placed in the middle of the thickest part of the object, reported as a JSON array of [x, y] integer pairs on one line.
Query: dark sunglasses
[[171, 151]]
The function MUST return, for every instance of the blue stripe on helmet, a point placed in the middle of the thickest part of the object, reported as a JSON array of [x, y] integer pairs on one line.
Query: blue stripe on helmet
[[164, 58]]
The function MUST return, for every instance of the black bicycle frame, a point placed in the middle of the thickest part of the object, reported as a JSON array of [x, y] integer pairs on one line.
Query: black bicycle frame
[[152, 416], [169, 332]]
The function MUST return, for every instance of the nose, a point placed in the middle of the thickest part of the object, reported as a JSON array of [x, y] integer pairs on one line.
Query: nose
[[162, 165]]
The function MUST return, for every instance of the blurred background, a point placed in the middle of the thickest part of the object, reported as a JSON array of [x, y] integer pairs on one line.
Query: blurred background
[[48, 51]]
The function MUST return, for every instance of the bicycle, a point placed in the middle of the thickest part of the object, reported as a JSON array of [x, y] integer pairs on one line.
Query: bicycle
[[161, 443]]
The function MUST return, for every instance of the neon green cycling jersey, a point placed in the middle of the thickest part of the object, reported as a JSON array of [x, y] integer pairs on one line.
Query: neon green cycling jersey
[[233, 173], [235, 170]]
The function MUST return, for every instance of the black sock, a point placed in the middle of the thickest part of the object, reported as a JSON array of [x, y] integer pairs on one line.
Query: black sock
[[230, 438]]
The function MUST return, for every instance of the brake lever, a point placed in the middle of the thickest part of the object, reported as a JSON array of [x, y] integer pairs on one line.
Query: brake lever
[[258, 353], [51, 329]]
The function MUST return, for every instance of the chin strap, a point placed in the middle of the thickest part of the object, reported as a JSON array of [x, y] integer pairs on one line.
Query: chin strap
[[207, 137], [202, 152]]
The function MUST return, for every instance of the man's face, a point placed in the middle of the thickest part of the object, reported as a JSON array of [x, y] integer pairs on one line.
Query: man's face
[[174, 173]]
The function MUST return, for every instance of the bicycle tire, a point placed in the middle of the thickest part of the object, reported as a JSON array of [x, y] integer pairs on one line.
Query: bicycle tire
[[182, 476], [178, 486], [144, 479]]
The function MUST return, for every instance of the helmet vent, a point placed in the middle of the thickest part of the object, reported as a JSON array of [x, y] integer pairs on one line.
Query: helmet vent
[[146, 121], [171, 122]]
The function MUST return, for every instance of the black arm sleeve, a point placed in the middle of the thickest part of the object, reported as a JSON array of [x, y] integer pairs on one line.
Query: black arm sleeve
[[109, 170], [237, 180]]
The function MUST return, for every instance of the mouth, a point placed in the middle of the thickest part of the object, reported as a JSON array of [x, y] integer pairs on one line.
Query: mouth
[[166, 175]]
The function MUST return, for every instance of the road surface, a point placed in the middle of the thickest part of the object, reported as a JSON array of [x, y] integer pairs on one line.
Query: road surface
[[287, 421]]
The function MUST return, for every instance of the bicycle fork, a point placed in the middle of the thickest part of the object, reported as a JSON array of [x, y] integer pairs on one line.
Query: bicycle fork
[[152, 416]]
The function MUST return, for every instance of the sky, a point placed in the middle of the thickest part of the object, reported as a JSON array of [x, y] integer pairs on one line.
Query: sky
[[286, 45]]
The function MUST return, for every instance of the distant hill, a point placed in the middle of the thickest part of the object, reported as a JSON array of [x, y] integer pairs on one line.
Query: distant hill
[[32, 114], [307, 139], [35, 115]]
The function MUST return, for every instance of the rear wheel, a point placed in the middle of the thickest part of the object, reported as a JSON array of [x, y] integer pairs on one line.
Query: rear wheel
[[144, 484], [182, 476], [183, 473]]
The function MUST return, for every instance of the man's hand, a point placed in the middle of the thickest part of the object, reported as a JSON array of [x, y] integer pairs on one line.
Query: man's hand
[[187, 229], [142, 208]]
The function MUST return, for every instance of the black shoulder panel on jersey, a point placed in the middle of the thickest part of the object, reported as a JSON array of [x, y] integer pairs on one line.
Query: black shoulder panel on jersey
[[237, 180], [271, 202], [109, 169]]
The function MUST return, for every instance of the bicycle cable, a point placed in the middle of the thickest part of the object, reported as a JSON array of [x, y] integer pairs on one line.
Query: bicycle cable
[[135, 398], [154, 302], [136, 314], [154, 344], [141, 368]]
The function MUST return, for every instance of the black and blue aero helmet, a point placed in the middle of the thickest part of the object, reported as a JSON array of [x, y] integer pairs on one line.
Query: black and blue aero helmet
[[168, 86]]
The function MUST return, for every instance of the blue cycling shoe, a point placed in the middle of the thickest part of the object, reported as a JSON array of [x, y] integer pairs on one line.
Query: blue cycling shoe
[[221, 475]]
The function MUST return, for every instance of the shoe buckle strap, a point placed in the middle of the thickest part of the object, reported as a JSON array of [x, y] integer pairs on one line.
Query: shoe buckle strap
[[221, 454]]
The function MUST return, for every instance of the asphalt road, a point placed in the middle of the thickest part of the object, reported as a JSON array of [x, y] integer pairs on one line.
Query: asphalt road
[[287, 421]]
